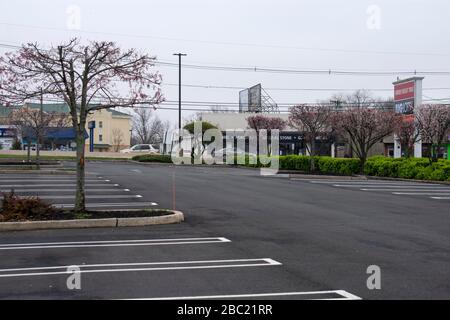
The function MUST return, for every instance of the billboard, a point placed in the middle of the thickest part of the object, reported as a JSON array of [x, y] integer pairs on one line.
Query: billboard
[[250, 99], [404, 96], [243, 100]]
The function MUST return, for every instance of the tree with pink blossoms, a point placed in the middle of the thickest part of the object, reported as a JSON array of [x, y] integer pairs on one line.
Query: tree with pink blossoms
[[261, 122], [87, 77], [364, 127], [407, 133], [433, 123], [314, 122]]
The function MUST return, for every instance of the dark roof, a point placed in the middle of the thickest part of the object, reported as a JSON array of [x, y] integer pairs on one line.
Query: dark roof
[[52, 107], [118, 113], [5, 111]]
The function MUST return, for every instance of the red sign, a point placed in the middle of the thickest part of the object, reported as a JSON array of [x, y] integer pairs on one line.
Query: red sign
[[404, 91]]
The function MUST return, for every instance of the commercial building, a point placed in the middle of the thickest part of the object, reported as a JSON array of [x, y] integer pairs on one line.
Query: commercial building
[[112, 132], [291, 140]]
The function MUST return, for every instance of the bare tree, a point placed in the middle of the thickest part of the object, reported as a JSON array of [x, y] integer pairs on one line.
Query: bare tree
[[314, 122], [86, 77], [141, 124], [148, 128], [365, 126], [117, 137], [32, 122], [433, 123]]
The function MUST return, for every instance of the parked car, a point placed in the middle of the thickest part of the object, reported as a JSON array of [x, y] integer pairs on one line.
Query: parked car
[[231, 153], [140, 148]]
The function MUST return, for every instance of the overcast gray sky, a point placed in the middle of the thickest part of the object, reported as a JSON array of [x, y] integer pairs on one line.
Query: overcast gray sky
[[320, 34]]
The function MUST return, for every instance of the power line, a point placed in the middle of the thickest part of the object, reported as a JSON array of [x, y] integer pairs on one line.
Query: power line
[[293, 89], [257, 45], [328, 72], [292, 70]]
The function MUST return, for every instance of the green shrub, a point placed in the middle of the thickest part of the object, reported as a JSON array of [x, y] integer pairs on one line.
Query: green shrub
[[408, 168], [153, 158], [301, 163], [324, 165], [339, 166]]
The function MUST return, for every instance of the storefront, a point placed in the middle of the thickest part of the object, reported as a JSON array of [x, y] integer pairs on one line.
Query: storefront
[[7, 137], [61, 139]]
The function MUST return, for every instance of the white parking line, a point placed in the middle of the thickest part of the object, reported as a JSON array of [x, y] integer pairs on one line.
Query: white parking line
[[368, 182], [142, 266], [421, 193], [111, 243], [344, 294], [49, 180], [57, 185], [64, 190], [108, 205], [441, 198], [384, 186], [408, 189], [100, 196]]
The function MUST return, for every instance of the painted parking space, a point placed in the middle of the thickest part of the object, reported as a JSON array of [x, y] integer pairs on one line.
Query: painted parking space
[[433, 191], [101, 192], [174, 269]]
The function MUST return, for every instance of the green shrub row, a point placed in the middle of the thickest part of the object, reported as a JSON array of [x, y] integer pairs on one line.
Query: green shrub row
[[408, 168], [324, 165], [153, 158]]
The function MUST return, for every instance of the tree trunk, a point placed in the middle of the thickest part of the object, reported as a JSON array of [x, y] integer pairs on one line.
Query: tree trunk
[[363, 160], [313, 153], [80, 198], [434, 151], [28, 150], [38, 162]]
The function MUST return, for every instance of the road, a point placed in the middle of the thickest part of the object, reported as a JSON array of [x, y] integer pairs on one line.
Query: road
[[250, 235]]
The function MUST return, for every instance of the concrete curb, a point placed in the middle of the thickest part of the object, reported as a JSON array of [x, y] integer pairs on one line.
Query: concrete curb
[[234, 166], [319, 176], [176, 217], [28, 171]]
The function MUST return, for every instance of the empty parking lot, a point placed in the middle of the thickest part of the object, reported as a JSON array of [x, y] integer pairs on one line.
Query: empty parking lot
[[101, 192], [244, 236]]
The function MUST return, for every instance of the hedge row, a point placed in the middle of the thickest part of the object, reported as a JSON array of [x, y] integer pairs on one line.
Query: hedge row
[[324, 165], [411, 168], [408, 168], [153, 158]]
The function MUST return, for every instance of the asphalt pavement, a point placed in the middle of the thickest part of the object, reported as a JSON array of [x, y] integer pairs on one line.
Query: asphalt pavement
[[245, 235]]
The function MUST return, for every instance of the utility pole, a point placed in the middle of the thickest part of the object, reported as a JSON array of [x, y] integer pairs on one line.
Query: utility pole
[[338, 103], [179, 88]]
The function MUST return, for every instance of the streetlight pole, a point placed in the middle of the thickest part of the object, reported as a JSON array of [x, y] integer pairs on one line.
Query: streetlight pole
[[179, 88]]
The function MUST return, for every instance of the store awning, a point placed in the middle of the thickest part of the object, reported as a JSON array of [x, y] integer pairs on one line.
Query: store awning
[[51, 133]]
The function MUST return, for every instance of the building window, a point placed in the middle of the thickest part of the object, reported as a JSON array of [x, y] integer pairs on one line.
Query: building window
[[100, 124], [100, 137]]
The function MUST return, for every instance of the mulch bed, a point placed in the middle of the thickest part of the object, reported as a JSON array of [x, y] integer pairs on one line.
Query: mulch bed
[[70, 215]]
